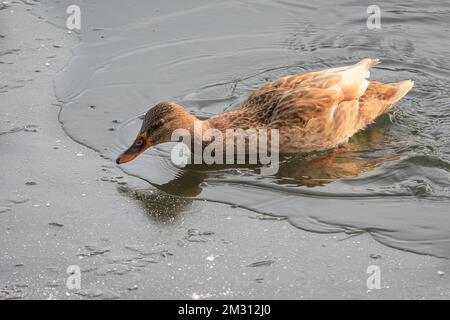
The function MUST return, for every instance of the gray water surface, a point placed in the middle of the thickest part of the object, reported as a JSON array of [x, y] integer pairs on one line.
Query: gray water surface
[[391, 181]]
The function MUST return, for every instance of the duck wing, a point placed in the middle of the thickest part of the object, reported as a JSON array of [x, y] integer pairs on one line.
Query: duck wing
[[322, 95], [304, 96]]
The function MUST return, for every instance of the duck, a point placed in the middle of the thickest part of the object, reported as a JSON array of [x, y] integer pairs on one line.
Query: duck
[[313, 111]]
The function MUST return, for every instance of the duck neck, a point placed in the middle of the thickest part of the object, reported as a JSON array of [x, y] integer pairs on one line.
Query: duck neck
[[202, 132]]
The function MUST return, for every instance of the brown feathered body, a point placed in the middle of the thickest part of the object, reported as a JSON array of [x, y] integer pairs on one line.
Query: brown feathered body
[[318, 110]]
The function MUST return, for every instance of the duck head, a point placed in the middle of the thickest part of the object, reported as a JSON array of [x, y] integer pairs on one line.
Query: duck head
[[157, 127]]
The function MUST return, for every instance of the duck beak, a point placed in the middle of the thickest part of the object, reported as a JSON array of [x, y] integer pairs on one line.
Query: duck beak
[[127, 156], [135, 150]]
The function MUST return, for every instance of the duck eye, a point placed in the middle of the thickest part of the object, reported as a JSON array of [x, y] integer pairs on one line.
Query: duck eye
[[139, 143], [158, 124]]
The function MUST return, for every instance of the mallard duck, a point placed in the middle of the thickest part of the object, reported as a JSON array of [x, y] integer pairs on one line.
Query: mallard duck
[[312, 111]]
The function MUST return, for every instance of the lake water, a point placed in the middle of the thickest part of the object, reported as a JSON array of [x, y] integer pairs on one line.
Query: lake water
[[391, 181]]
